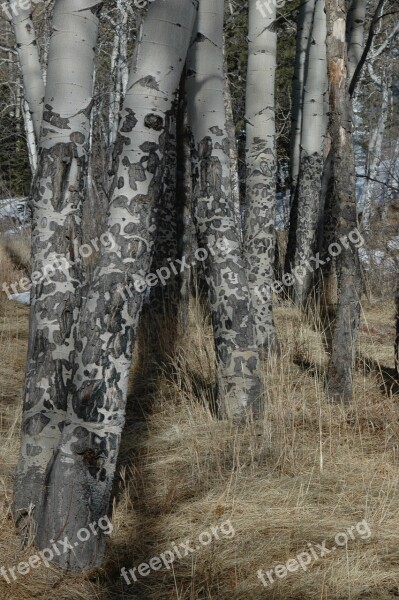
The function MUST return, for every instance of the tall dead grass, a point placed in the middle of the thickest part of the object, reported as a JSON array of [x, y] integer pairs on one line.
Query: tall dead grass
[[306, 472]]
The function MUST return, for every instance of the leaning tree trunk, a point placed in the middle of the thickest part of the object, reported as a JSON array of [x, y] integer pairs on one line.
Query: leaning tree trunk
[[58, 192], [79, 481], [260, 209], [28, 55], [355, 34], [314, 128], [346, 326], [304, 28], [218, 236]]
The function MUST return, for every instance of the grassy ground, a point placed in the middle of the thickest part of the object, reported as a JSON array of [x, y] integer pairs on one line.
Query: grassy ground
[[306, 473]]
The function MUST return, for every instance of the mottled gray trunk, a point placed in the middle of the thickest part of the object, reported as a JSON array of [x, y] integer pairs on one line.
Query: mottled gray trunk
[[58, 193], [119, 71], [304, 28], [79, 481], [165, 298], [218, 236], [346, 326], [184, 189], [233, 151], [314, 127], [29, 61], [396, 348], [260, 213], [373, 164], [355, 33]]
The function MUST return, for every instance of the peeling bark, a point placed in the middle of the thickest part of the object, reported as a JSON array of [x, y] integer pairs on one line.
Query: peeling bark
[[237, 357], [259, 227], [79, 481]]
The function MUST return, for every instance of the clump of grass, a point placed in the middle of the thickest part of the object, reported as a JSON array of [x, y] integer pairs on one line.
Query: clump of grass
[[18, 249]]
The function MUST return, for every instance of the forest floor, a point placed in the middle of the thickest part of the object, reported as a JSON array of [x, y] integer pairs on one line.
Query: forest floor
[[274, 489]]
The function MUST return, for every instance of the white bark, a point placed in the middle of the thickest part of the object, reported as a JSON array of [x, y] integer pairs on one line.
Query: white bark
[[355, 27], [305, 18], [261, 162], [30, 137], [30, 64]]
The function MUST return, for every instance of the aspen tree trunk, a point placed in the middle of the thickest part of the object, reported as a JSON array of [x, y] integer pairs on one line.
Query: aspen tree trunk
[[374, 158], [233, 150], [30, 137], [29, 61], [314, 128], [184, 188], [79, 480], [260, 214], [234, 333], [165, 298], [396, 348], [355, 33], [119, 72], [346, 326], [305, 20], [58, 193]]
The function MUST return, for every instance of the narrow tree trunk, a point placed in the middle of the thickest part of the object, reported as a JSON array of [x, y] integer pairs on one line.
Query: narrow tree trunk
[[28, 55], [314, 128], [260, 217], [397, 333], [30, 137], [373, 164], [218, 236], [165, 298], [119, 72], [58, 193], [355, 34], [233, 151], [184, 189], [305, 19], [346, 327], [79, 481]]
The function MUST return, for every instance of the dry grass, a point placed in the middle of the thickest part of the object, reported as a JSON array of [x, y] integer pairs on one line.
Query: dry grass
[[16, 247], [304, 474]]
